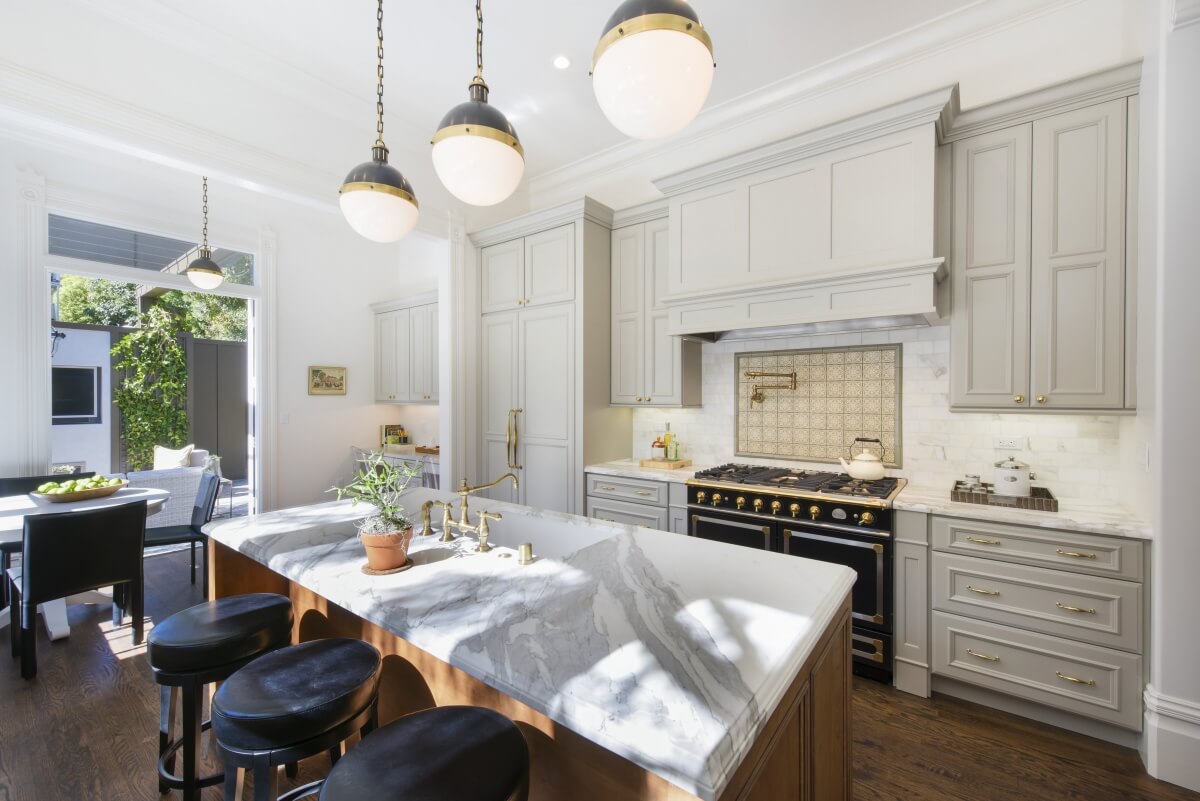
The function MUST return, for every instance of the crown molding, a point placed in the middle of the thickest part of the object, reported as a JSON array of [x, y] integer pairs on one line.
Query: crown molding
[[1187, 12], [1088, 90], [887, 55], [585, 209], [644, 213], [930, 107]]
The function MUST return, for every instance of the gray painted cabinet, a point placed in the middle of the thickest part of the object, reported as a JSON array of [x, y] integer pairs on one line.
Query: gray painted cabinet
[[1038, 266]]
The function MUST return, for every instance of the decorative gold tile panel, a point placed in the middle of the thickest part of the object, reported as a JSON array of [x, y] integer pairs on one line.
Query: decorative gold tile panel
[[840, 394]]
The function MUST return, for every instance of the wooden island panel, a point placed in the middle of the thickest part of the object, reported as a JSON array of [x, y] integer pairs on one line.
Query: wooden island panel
[[803, 753]]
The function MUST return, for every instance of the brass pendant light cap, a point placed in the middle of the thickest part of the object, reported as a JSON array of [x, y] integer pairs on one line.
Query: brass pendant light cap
[[476, 117], [639, 16], [377, 175]]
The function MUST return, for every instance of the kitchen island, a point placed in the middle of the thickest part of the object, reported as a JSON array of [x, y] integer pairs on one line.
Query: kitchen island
[[640, 664]]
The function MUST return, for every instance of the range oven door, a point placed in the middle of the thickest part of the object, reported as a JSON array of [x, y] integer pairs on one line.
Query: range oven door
[[868, 556], [733, 529]]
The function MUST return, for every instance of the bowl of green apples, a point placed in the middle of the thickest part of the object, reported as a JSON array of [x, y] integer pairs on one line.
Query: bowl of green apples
[[78, 489]]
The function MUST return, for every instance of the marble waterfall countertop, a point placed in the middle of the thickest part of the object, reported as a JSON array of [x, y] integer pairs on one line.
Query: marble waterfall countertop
[[669, 651], [1090, 517]]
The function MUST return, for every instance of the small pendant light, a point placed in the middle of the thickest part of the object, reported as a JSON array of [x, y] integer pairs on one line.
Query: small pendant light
[[376, 199], [652, 68], [203, 272], [476, 152]]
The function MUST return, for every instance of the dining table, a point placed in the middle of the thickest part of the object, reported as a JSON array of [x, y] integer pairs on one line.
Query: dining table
[[15, 508]]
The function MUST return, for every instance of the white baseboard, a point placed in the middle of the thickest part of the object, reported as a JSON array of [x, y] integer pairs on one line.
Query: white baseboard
[[1171, 743], [911, 677]]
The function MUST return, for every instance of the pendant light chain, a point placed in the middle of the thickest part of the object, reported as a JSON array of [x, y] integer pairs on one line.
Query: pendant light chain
[[379, 77], [204, 207], [479, 39]]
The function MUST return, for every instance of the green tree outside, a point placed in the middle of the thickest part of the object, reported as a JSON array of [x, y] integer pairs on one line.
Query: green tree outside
[[150, 387], [96, 301]]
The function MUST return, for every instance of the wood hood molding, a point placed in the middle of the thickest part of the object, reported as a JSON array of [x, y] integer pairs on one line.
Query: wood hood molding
[[936, 107]]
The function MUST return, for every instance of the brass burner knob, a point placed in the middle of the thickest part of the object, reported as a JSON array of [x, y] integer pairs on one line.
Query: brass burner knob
[[758, 504], [740, 502], [866, 519], [701, 496], [814, 511], [716, 501], [794, 509], [775, 507]]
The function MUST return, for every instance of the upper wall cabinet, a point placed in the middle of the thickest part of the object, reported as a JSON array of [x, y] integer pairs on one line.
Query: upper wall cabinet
[[406, 351], [1039, 271], [649, 366], [531, 271], [865, 205]]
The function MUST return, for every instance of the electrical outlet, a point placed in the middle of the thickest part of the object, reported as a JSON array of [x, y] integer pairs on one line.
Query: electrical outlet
[[1009, 443]]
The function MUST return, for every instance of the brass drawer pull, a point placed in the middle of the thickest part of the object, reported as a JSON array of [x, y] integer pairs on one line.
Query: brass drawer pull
[[983, 592], [1080, 610], [608, 489], [1073, 680], [983, 656], [1075, 554], [643, 493], [983, 541]]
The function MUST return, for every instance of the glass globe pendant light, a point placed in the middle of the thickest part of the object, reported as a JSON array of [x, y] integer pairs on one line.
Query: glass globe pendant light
[[476, 152], [652, 68], [376, 199], [203, 272]]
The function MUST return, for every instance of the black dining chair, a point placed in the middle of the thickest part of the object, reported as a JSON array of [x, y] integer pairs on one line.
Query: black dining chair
[[202, 512], [72, 552], [20, 485]]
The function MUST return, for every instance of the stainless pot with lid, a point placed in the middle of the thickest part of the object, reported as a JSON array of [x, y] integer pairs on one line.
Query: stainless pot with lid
[[1011, 478]]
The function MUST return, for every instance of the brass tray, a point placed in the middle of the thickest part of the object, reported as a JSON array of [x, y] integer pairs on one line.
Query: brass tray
[[1040, 499], [81, 495]]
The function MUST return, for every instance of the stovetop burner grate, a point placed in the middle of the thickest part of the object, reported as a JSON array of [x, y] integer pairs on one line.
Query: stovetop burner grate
[[814, 481]]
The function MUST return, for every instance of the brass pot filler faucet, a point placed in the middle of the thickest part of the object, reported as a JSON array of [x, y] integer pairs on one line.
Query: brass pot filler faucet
[[463, 524]]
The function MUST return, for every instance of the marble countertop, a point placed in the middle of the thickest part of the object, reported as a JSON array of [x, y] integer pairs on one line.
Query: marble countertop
[[1088, 516], [629, 468], [669, 651]]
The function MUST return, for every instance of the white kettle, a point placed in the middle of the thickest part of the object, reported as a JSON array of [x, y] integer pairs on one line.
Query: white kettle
[[863, 465]]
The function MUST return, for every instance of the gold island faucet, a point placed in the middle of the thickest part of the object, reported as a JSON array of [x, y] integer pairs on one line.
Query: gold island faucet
[[463, 524]]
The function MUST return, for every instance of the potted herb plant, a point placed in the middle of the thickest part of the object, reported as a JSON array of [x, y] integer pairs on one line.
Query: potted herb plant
[[386, 533]]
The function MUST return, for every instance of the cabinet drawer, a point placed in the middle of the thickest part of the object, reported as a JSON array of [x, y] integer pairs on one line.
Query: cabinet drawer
[[1098, 610], [1045, 547], [638, 490], [632, 514], [1084, 679]]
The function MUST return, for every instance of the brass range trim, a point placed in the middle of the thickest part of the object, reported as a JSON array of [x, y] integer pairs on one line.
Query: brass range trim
[[870, 503]]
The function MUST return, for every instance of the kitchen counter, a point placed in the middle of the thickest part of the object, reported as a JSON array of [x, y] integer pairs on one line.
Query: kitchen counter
[[670, 653], [1092, 517], [629, 468]]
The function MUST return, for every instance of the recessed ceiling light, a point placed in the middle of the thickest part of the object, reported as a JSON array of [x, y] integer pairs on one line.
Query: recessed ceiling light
[[562, 62]]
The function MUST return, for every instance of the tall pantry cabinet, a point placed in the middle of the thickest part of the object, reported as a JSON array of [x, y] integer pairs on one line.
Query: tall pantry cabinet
[[543, 352]]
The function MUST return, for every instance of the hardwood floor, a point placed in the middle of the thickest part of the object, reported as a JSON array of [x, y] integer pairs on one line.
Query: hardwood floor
[[86, 729]]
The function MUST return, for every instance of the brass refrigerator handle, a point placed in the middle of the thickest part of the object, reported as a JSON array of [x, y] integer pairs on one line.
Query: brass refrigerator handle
[[516, 439], [508, 438]]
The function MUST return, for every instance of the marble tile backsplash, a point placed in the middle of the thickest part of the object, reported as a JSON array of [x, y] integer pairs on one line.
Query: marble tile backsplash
[[1076, 456]]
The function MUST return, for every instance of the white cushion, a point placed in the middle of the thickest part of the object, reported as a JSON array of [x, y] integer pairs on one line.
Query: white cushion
[[165, 458]]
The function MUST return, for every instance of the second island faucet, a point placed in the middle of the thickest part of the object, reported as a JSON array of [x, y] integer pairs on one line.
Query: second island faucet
[[463, 524]]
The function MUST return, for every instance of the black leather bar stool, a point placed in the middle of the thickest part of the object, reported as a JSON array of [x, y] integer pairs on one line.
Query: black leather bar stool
[[448, 753], [203, 644], [293, 704]]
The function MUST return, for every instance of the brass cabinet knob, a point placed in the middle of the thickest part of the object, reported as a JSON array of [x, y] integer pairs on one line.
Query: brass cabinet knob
[[639, 398], [1018, 398], [758, 504], [701, 496], [866, 519], [775, 507], [814, 511], [527, 301], [716, 501], [647, 399], [740, 502], [794, 509], [519, 302], [1041, 398]]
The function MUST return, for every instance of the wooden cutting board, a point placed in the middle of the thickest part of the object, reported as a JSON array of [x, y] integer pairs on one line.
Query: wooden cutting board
[[663, 464]]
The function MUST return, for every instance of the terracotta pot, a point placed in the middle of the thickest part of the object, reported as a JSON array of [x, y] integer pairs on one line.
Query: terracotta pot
[[386, 551]]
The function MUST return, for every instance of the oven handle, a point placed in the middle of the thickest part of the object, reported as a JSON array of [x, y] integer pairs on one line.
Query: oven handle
[[876, 644], [764, 530], [858, 530]]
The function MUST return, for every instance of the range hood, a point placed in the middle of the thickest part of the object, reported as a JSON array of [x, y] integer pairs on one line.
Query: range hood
[[838, 229], [879, 299]]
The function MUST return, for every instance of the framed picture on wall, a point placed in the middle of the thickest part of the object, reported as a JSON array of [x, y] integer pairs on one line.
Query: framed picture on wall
[[326, 380]]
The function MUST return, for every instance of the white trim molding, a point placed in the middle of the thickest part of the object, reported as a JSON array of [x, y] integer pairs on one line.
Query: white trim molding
[[644, 213], [266, 375], [1171, 739], [543, 220], [32, 329], [1187, 12]]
